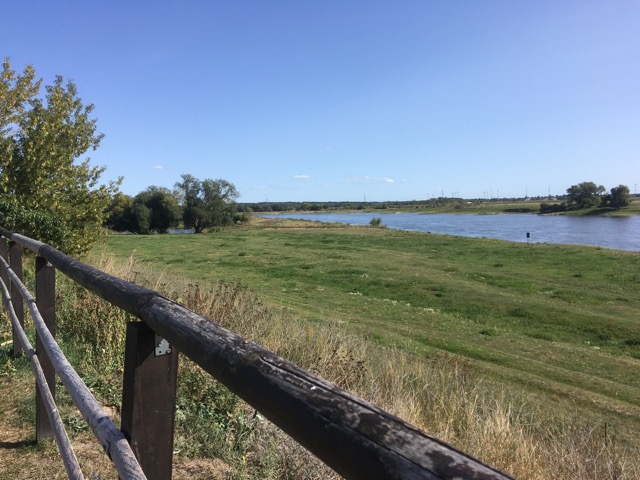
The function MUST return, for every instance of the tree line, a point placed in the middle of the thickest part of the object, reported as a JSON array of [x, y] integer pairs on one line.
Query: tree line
[[193, 204], [590, 195]]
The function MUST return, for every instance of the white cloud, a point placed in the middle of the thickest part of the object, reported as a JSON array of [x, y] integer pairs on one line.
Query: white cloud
[[158, 167], [372, 180], [301, 177]]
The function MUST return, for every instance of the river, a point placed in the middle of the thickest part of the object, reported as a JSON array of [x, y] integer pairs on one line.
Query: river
[[619, 233]]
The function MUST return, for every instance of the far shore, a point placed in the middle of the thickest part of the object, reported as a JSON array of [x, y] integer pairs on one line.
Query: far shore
[[478, 208]]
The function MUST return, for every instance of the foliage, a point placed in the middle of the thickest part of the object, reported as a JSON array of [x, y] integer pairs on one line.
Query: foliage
[[41, 140], [141, 218], [206, 203], [243, 215], [93, 325], [199, 204], [119, 214], [188, 194], [585, 195], [589, 195], [152, 210], [40, 224], [375, 222], [552, 207], [163, 210], [618, 198]]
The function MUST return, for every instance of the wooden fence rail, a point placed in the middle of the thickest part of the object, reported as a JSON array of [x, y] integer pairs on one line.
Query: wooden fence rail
[[354, 437]]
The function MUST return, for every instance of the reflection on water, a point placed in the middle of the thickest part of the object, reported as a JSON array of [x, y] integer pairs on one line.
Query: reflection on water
[[620, 233]]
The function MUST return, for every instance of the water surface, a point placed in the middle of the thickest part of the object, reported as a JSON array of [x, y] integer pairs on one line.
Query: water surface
[[620, 233]]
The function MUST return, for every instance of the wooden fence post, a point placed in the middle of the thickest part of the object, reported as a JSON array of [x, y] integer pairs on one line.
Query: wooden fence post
[[15, 263], [4, 253], [149, 399], [46, 303]]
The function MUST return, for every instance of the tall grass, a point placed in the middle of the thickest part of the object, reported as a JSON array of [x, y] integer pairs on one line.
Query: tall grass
[[439, 394]]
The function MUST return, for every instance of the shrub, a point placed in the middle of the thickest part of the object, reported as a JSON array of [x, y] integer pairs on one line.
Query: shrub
[[376, 222], [553, 207]]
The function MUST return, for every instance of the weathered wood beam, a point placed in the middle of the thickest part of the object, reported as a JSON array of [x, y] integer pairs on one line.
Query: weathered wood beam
[[46, 304], [15, 262], [149, 399]]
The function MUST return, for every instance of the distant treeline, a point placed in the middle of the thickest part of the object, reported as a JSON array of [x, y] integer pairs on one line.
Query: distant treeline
[[582, 195], [416, 204]]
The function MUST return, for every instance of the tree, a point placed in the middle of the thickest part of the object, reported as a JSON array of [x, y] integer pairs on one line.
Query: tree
[[163, 211], [41, 140], [585, 195], [207, 203], [119, 213], [219, 201], [618, 197], [188, 193], [140, 216]]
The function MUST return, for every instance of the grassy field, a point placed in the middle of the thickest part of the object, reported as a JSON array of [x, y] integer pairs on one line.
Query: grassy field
[[525, 356], [556, 322]]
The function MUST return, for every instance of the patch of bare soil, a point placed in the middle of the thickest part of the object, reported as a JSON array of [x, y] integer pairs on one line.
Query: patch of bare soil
[[20, 457], [276, 222], [201, 469]]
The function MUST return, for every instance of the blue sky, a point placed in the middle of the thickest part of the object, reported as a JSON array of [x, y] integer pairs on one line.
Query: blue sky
[[351, 99]]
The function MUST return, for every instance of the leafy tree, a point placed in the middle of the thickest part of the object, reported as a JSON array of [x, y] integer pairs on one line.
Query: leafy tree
[[585, 195], [140, 218], [41, 140], [207, 203], [119, 214], [189, 194], [618, 197], [219, 201], [163, 211]]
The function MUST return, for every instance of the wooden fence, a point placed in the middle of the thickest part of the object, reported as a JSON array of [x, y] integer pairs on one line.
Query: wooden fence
[[355, 438]]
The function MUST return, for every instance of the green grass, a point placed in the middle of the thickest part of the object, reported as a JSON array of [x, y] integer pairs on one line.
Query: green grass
[[558, 322]]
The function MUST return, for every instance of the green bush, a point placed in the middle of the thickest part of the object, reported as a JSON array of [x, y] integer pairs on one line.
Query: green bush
[[39, 225]]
